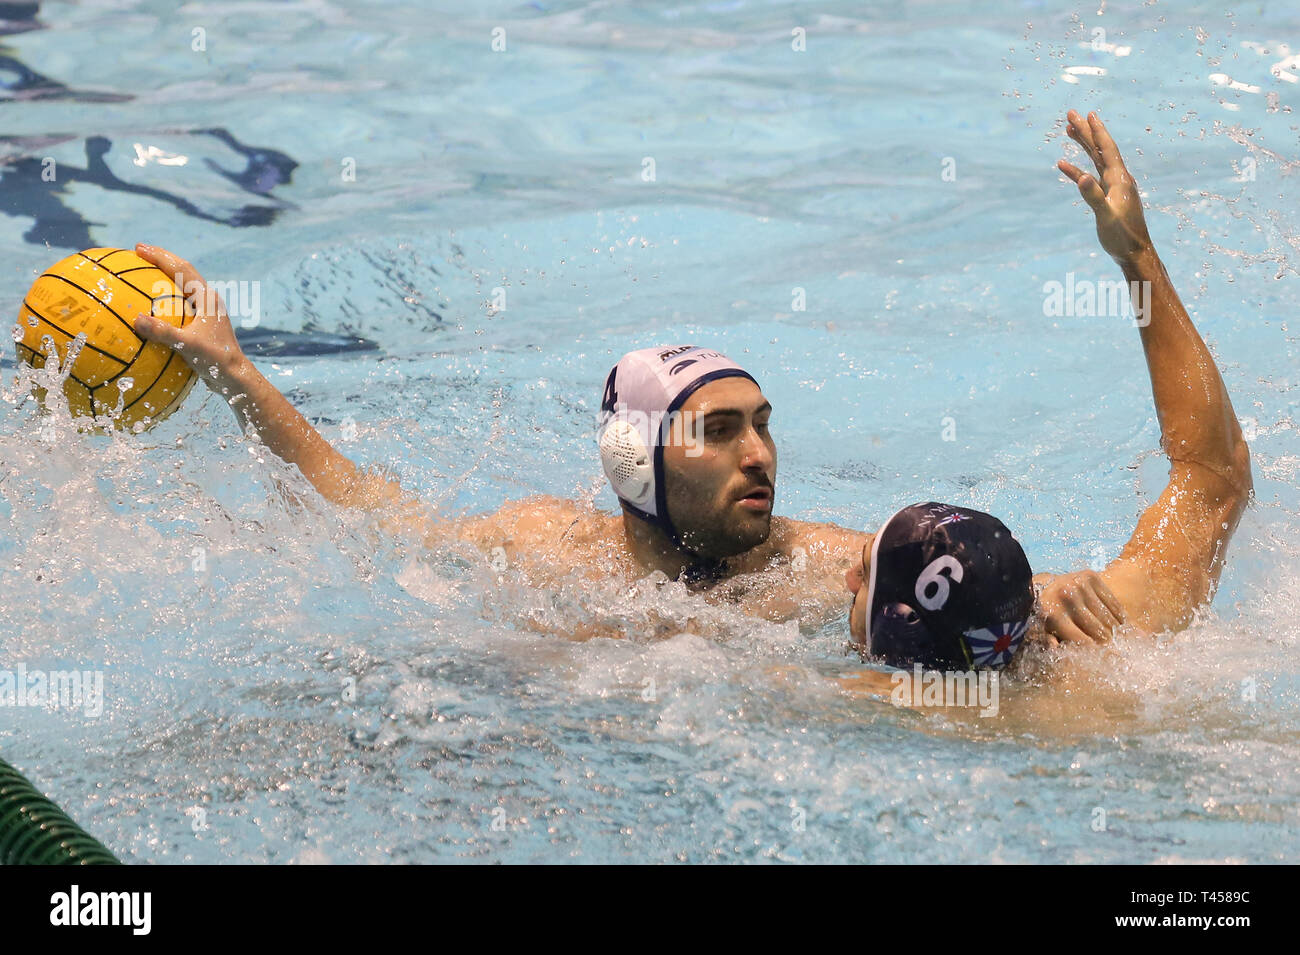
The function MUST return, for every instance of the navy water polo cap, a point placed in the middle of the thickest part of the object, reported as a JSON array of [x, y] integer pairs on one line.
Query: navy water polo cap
[[642, 393], [950, 588]]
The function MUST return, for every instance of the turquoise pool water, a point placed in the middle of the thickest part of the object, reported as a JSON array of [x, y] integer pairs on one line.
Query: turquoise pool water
[[282, 684]]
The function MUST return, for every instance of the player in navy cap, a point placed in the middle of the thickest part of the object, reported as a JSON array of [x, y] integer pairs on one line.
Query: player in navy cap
[[947, 587], [950, 588]]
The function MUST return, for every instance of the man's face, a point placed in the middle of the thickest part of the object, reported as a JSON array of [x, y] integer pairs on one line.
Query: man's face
[[720, 499]]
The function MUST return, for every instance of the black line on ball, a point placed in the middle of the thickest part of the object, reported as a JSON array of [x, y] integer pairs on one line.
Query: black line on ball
[[126, 364]]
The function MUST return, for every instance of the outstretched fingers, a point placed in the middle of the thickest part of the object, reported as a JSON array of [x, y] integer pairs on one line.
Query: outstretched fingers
[[1106, 147], [1089, 188], [187, 279], [1081, 132]]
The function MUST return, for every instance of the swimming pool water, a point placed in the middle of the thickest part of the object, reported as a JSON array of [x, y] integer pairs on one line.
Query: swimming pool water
[[282, 683]]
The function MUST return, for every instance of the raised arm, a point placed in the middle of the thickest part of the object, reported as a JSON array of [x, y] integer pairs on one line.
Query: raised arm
[[209, 346], [1172, 563]]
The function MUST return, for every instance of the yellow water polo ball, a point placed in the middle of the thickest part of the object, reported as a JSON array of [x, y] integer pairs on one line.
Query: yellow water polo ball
[[98, 293]]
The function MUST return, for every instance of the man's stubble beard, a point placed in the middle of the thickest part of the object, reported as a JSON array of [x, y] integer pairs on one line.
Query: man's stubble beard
[[730, 542]]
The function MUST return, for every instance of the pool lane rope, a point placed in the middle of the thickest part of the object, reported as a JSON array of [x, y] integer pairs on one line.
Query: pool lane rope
[[34, 831]]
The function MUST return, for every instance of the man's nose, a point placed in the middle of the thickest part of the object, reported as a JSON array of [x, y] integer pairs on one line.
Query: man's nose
[[755, 453]]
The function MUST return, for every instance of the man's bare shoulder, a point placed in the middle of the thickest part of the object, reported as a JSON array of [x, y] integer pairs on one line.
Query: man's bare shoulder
[[818, 541], [798, 572], [535, 521], [539, 507], [816, 552]]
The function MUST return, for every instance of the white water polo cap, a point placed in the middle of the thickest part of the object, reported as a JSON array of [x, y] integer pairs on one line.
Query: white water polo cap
[[637, 417]]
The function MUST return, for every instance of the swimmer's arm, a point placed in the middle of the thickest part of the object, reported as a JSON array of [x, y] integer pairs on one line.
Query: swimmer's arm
[[261, 408], [862, 682], [869, 682], [517, 534], [1172, 563], [894, 687], [209, 347]]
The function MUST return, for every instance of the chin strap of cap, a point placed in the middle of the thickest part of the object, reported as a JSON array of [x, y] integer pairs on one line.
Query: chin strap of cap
[[700, 569]]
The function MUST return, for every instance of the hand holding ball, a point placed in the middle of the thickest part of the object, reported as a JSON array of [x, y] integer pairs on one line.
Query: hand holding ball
[[146, 340], [99, 293]]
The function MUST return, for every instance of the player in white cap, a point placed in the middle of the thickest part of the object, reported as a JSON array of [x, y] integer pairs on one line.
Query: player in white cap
[[685, 442]]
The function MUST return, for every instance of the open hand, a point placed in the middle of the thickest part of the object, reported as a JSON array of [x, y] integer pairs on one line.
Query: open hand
[[207, 342], [1121, 226], [1077, 608]]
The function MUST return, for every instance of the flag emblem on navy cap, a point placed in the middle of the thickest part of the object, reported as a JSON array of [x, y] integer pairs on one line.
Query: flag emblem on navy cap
[[994, 646]]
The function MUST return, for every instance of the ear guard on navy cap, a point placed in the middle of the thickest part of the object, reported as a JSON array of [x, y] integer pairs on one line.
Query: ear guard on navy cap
[[901, 638]]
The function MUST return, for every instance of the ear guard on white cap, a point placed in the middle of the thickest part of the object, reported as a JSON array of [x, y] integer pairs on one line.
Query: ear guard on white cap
[[627, 462]]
